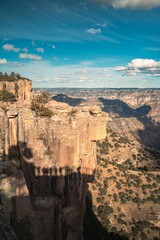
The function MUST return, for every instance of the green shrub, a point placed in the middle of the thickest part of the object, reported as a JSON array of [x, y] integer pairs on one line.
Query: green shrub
[[43, 98], [118, 185], [115, 197], [123, 140], [40, 110], [7, 96], [117, 145], [12, 77], [113, 134]]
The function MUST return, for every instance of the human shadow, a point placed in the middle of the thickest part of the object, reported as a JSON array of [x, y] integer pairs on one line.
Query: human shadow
[[16, 151], [150, 135], [56, 199], [69, 100]]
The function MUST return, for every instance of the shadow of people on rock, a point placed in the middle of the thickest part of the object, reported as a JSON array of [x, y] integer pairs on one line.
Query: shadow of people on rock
[[57, 196], [21, 149]]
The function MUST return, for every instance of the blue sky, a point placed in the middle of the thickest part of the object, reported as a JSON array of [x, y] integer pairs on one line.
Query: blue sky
[[94, 43]]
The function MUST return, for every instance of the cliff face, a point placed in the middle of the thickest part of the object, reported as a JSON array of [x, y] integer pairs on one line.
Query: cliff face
[[125, 194], [46, 164], [21, 88]]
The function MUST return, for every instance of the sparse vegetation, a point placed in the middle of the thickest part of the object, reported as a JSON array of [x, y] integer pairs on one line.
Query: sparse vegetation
[[7, 96], [129, 183], [11, 77], [39, 108]]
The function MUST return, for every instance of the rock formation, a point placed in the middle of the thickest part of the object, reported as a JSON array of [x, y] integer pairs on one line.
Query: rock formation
[[22, 88], [45, 164]]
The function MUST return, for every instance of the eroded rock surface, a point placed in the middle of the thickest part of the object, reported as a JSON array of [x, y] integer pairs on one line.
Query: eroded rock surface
[[53, 158]]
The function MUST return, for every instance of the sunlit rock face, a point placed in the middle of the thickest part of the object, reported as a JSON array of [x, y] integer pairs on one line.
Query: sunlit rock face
[[22, 88], [53, 160]]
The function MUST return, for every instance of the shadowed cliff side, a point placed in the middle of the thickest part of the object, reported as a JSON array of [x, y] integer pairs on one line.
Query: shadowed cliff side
[[54, 198], [65, 99]]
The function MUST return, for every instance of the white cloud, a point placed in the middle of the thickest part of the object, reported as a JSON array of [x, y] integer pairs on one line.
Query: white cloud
[[33, 43], [156, 75], [34, 70], [40, 50], [93, 30], [107, 75], [102, 25], [56, 58], [16, 64], [56, 80], [152, 49], [25, 49], [106, 70], [42, 80], [140, 65], [65, 75], [29, 56], [120, 68], [143, 63], [82, 79], [131, 71], [10, 47], [53, 46], [87, 63], [133, 4], [3, 61]]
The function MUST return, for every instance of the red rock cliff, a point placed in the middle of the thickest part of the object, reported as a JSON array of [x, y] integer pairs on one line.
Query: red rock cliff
[[57, 156]]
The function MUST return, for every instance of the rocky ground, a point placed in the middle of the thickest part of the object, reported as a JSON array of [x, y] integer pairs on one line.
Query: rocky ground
[[126, 192]]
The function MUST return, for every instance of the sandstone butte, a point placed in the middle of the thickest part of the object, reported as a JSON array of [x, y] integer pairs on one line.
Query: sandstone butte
[[45, 165]]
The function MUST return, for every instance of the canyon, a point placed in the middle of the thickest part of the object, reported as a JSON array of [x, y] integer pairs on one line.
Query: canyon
[[83, 164], [125, 193]]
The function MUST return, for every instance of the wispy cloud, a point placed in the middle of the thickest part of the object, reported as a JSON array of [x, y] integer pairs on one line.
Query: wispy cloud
[[77, 75], [29, 56], [10, 47], [33, 43], [152, 49], [93, 30], [25, 49], [120, 68], [132, 4], [40, 50], [3, 61], [87, 63]]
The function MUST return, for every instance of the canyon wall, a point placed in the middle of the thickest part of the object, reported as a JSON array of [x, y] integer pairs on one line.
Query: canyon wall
[[45, 165], [21, 88]]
